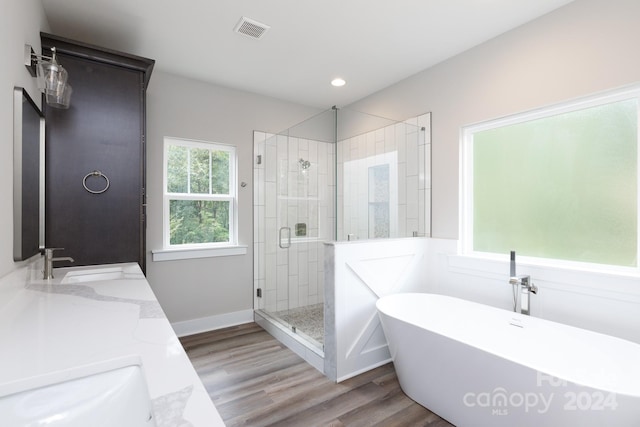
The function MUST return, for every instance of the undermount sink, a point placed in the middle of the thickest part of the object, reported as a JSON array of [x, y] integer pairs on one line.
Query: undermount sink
[[108, 394], [107, 273]]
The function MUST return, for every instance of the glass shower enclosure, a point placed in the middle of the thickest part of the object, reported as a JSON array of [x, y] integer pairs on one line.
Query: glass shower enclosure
[[340, 175]]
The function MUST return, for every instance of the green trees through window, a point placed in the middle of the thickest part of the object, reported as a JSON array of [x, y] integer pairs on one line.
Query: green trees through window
[[198, 194], [198, 221]]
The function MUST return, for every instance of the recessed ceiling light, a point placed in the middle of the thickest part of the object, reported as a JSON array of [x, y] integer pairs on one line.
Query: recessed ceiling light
[[338, 82]]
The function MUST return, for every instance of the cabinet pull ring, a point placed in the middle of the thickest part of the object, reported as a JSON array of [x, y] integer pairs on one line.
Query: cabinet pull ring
[[95, 173]]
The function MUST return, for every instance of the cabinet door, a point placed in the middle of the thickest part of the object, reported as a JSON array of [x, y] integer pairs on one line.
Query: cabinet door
[[101, 131]]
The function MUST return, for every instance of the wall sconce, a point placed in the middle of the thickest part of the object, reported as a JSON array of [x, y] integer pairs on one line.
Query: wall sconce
[[51, 77]]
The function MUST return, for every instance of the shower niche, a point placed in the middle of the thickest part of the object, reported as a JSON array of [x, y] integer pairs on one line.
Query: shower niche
[[340, 175]]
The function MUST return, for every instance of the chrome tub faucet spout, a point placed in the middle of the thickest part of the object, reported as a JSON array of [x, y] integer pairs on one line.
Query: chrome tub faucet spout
[[49, 260], [526, 287]]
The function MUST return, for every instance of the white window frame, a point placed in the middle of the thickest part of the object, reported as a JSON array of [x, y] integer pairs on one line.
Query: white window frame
[[466, 179], [200, 250]]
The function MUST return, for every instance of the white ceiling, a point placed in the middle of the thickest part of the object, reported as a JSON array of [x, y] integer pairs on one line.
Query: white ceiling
[[370, 43]]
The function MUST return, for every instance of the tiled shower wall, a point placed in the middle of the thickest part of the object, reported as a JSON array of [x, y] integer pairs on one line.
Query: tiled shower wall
[[288, 194], [402, 149], [389, 166]]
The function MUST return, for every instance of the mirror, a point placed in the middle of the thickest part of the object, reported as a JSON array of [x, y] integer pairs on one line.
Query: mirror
[[28, 176]]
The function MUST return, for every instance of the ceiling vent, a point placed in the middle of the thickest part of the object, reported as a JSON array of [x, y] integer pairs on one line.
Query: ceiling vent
[[251, 28]]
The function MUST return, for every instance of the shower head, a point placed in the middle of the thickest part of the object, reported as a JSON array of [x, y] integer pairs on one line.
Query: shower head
[[304, 164]]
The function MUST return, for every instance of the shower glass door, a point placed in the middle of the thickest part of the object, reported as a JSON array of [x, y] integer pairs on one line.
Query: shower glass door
[[294, 215], [272, 228], [284, 205], [340, 175]]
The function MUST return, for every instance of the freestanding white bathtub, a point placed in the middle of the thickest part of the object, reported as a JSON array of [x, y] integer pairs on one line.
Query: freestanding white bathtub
[[477, 366]]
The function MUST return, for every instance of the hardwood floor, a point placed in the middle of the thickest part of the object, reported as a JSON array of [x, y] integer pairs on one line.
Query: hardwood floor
[[254, 380]]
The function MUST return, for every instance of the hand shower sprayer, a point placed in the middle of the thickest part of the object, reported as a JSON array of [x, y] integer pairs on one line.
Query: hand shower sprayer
[[512, 275]]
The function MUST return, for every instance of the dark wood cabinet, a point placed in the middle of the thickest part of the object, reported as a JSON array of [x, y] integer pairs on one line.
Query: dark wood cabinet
[[102, 131]]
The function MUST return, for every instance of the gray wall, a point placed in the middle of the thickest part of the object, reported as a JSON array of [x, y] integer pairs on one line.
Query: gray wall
[[184, 108], [20, 23], [585, 47]]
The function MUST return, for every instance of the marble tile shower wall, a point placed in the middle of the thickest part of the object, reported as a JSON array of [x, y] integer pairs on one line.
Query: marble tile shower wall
[[292, 193], [406, 149]]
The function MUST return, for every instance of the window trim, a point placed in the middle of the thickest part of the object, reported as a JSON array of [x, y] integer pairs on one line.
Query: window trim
[[465, 201], [198, 250], [193, 253]]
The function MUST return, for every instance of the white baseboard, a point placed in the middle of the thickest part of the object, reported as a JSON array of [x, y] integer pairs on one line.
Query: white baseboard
[[211, 323]]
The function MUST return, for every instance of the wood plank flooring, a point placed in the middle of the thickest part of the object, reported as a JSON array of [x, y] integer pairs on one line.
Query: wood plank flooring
[[254, 380]]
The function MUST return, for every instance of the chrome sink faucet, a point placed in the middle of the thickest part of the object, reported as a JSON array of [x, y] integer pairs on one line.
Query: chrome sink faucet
[[49, 260], [526, 287]]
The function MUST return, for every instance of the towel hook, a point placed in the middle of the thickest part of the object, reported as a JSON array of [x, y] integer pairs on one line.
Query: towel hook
[[99, 174]]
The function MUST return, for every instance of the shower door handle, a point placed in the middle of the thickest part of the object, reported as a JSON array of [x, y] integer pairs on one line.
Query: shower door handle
[[281, 241]]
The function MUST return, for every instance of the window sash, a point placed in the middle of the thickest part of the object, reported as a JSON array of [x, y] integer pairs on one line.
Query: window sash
[[210, 147], [213, 197], [467, 173], [230, 197], [231, 223]]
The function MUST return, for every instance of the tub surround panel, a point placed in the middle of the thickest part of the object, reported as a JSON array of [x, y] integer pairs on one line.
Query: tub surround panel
[[597, 301], [357, 274], [47, 327]]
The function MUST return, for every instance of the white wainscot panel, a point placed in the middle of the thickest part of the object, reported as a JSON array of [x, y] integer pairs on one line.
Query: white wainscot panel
[[358, 273]]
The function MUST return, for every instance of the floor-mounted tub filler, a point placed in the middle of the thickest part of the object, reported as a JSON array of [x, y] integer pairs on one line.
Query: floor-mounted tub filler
[[476, 365]]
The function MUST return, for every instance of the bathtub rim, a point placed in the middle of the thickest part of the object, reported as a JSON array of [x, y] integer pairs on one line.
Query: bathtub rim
[[628, 386]]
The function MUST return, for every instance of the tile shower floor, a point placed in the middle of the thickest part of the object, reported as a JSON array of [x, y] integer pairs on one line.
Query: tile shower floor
[[308, 320]]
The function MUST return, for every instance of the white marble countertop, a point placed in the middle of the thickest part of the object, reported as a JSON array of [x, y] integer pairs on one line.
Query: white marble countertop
[[49, 326]]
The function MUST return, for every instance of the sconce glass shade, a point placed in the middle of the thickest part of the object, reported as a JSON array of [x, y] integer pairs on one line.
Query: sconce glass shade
[[60, 98], [50, 76]]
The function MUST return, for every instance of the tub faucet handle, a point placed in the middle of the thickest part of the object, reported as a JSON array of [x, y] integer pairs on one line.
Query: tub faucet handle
[[525, 282]]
